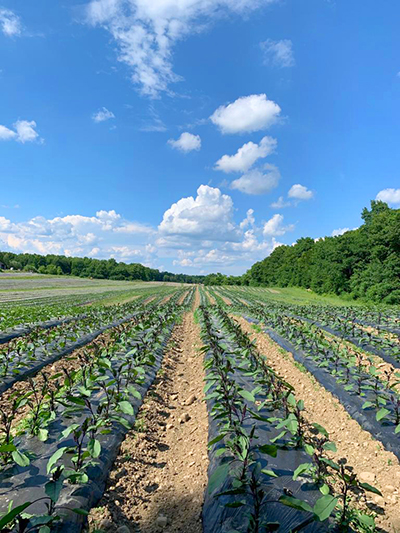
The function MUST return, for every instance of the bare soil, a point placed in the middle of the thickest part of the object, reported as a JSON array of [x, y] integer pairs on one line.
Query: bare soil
[[160, 475], [370, 460]]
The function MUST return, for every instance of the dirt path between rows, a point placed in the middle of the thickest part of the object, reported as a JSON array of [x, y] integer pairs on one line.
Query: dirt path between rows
[[370, 460], [160, 475]]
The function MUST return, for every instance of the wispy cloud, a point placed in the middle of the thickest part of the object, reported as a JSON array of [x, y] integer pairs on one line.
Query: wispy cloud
[[102, 115], [278, 53], [146, 32]]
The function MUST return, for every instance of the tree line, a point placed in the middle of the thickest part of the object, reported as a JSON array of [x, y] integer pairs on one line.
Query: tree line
[[86, 267], [363, 263]]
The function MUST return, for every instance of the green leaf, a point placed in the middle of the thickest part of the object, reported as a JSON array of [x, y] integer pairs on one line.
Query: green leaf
[[69, 430], [321, 430], [247, 395], [217, 439], [234, 505], [397, 430], [291, 400], [370, 488], [270, 473], [366, 520], [94, 448], [53, 489], [55, 457], [43, 434], [269, 449], [301, 469], [382, 413], [45, 529], [126, 407], [367, 404], [331, 446], [295, 503], [332, 464], [309, 449], [9, 517], [218, 477], [135, 393], [324, 489], [20, 458], [324, 507], [6, 448]]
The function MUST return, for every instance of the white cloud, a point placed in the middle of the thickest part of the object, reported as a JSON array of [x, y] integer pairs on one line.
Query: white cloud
[[274, 226], [247, 114], [249, 220], [10, 23], [299, 192], [102, 115], [246, 156], [280, 203], [278, 53], [390, 196], [107, 234], [198, 233], [6, 134], [146, 31], [24, 131], [209, 215], [339, 231], [186, 142], [258, 181]]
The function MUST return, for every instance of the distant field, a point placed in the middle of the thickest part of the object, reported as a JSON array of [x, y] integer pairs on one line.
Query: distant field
[[35, 288]]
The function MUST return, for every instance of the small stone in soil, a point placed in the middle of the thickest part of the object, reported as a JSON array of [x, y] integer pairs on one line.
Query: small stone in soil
[[184, 418], [191, 399], [161, 520]]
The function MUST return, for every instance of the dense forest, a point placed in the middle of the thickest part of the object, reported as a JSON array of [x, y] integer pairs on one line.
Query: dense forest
[[363, 263], [85, 267]]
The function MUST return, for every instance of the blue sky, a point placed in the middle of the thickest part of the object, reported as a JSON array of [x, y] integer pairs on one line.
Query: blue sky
[[194, 136]]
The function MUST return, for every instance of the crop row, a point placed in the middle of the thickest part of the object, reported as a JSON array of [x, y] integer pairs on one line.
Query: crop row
[[264, 453], [27, 315], [58, 452]]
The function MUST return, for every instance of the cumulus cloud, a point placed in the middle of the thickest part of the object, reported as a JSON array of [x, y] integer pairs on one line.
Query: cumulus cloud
[[258, 181], [278, 53], [296, 194], [280, 203], [107, 234], [10, 23], [249, 220], [146, 32], [187, 142], [209, 215], [246, 114], [390, 196], [198, 233], [24, 131], [274, 226], [6, 134], [299, 192], [102, 115], [246, 156]]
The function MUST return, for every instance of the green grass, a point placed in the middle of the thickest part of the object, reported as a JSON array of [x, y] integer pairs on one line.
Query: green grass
[[295, 295]]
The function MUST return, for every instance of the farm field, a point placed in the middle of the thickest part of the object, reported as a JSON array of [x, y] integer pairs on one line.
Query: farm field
[[154, 407]]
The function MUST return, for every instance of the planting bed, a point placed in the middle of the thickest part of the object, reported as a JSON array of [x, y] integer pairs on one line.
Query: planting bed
[[104, 424]]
